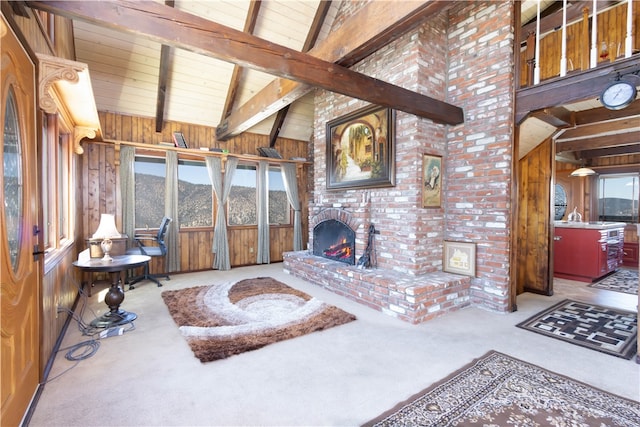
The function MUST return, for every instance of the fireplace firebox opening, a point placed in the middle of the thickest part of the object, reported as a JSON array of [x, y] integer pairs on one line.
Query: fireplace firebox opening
[[335, 240]]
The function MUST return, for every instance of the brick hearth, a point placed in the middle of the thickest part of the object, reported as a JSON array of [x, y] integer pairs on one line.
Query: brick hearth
[[414, 299]]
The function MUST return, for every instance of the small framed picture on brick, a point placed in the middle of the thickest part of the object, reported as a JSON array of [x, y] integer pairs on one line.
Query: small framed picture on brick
[[431, 181], [459, 257]]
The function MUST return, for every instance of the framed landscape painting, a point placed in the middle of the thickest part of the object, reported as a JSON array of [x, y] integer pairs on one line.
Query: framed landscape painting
[[459, 257], [360, 149], [431, 181]]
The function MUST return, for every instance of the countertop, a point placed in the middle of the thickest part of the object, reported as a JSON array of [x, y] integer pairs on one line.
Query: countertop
[[590, 225]]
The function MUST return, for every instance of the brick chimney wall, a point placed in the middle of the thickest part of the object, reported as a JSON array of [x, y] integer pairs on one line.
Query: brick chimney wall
[[464, 57]]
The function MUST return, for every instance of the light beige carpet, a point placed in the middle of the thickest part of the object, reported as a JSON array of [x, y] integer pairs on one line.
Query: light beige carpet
[[499, 390], [221, 320]]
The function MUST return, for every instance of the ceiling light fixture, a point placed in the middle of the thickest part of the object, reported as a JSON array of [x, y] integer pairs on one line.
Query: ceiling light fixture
[[583, 171]]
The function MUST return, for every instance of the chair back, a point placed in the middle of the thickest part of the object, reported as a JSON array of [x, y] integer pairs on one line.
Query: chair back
[[162, 231]]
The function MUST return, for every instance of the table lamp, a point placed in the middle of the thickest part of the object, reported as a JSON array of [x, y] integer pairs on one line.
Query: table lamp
[[106, 231]]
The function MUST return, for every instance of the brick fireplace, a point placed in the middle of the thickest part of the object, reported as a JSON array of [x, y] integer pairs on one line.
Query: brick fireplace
[[413, 299], [466, 62]]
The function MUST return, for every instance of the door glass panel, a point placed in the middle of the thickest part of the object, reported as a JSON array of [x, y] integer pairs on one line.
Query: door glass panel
[[560, 203], [12, 179]]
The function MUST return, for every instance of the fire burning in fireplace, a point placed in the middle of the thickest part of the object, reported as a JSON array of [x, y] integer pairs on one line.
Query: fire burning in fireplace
[[334, 240], [340, 251]]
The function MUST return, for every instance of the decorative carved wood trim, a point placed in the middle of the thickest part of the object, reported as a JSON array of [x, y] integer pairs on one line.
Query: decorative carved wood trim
[[80, 132], [51, 70], [74, 100]]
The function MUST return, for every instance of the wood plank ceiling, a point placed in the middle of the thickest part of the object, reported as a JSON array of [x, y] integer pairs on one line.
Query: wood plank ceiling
[[199, 89], [147, 62], [176, 62]]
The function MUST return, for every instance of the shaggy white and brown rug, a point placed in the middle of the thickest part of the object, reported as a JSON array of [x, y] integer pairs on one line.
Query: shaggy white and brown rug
[[499, 390], [219, 321]]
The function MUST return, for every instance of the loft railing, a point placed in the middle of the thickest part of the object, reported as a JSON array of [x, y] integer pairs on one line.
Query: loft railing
[[595, 38]]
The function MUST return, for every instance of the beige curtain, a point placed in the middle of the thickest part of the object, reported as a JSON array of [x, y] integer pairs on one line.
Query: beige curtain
[[171, 210], [291, 187], [128, 192], [220, 245], [263, 256]]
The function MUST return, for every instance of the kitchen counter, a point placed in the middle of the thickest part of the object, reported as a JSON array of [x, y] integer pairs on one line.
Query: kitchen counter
[[587, 251], [589, 225]]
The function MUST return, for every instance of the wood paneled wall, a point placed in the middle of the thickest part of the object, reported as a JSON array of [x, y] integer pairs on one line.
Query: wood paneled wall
[[100, 187]]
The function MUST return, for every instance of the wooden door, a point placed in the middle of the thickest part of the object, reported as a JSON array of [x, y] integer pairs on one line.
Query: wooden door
[[535, 193], [19, 273]]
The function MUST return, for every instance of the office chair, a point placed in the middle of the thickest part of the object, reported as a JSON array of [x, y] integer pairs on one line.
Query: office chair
[[154, 246]]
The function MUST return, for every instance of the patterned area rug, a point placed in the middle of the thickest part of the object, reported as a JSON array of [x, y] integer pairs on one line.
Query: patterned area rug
[[498, 390], [623, 280], [219, 321], [599, 328]]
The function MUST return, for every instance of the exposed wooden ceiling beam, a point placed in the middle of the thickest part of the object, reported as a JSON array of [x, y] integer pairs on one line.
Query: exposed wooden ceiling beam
[[558, 117], [601, 114], [163, 77], [234, 83], [310, 41], [607, 152], [598, 142], [561, 91], [610, 127], [358, 37], [193, 33]]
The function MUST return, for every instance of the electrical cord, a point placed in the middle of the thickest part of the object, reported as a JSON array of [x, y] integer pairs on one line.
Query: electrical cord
[[85, 349]]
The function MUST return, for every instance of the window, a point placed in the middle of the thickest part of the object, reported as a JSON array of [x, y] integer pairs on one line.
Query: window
[[56, 172], [46, 189], [279, 209], [64, 171], [195, 194], [242, 203], [149, 177], [618, 198], [241, 206]]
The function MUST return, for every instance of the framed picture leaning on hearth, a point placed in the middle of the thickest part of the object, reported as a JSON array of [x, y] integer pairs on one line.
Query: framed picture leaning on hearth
[[431, 181], [459, 257], [360, 149]]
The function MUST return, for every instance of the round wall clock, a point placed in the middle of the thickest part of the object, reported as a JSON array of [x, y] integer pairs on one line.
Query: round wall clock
[[618, 95]]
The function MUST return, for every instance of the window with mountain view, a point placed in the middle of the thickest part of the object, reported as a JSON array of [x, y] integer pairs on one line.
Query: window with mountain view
[[618, 197], [195, 196], [242, 202], [149, 177]]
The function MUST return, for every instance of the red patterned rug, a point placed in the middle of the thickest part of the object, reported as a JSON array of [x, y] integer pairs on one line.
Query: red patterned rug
[[498, 390], [219, 321]]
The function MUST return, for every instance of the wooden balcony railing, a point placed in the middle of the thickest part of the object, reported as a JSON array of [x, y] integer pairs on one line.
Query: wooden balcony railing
[[577, 43]]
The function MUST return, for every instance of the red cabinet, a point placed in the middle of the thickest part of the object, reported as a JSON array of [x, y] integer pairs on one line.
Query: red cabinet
[[586, 253], [630, 257]]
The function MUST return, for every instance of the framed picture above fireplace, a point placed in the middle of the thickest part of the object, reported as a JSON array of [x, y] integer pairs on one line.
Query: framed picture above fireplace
[[360, 149], [431, 181], [459, 257]]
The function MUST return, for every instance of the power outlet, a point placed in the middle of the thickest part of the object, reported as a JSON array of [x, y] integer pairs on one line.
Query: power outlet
[[250, 250]]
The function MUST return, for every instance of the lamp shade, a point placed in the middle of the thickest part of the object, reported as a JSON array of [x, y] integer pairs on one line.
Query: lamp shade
[[106, 228], [583, 172]]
